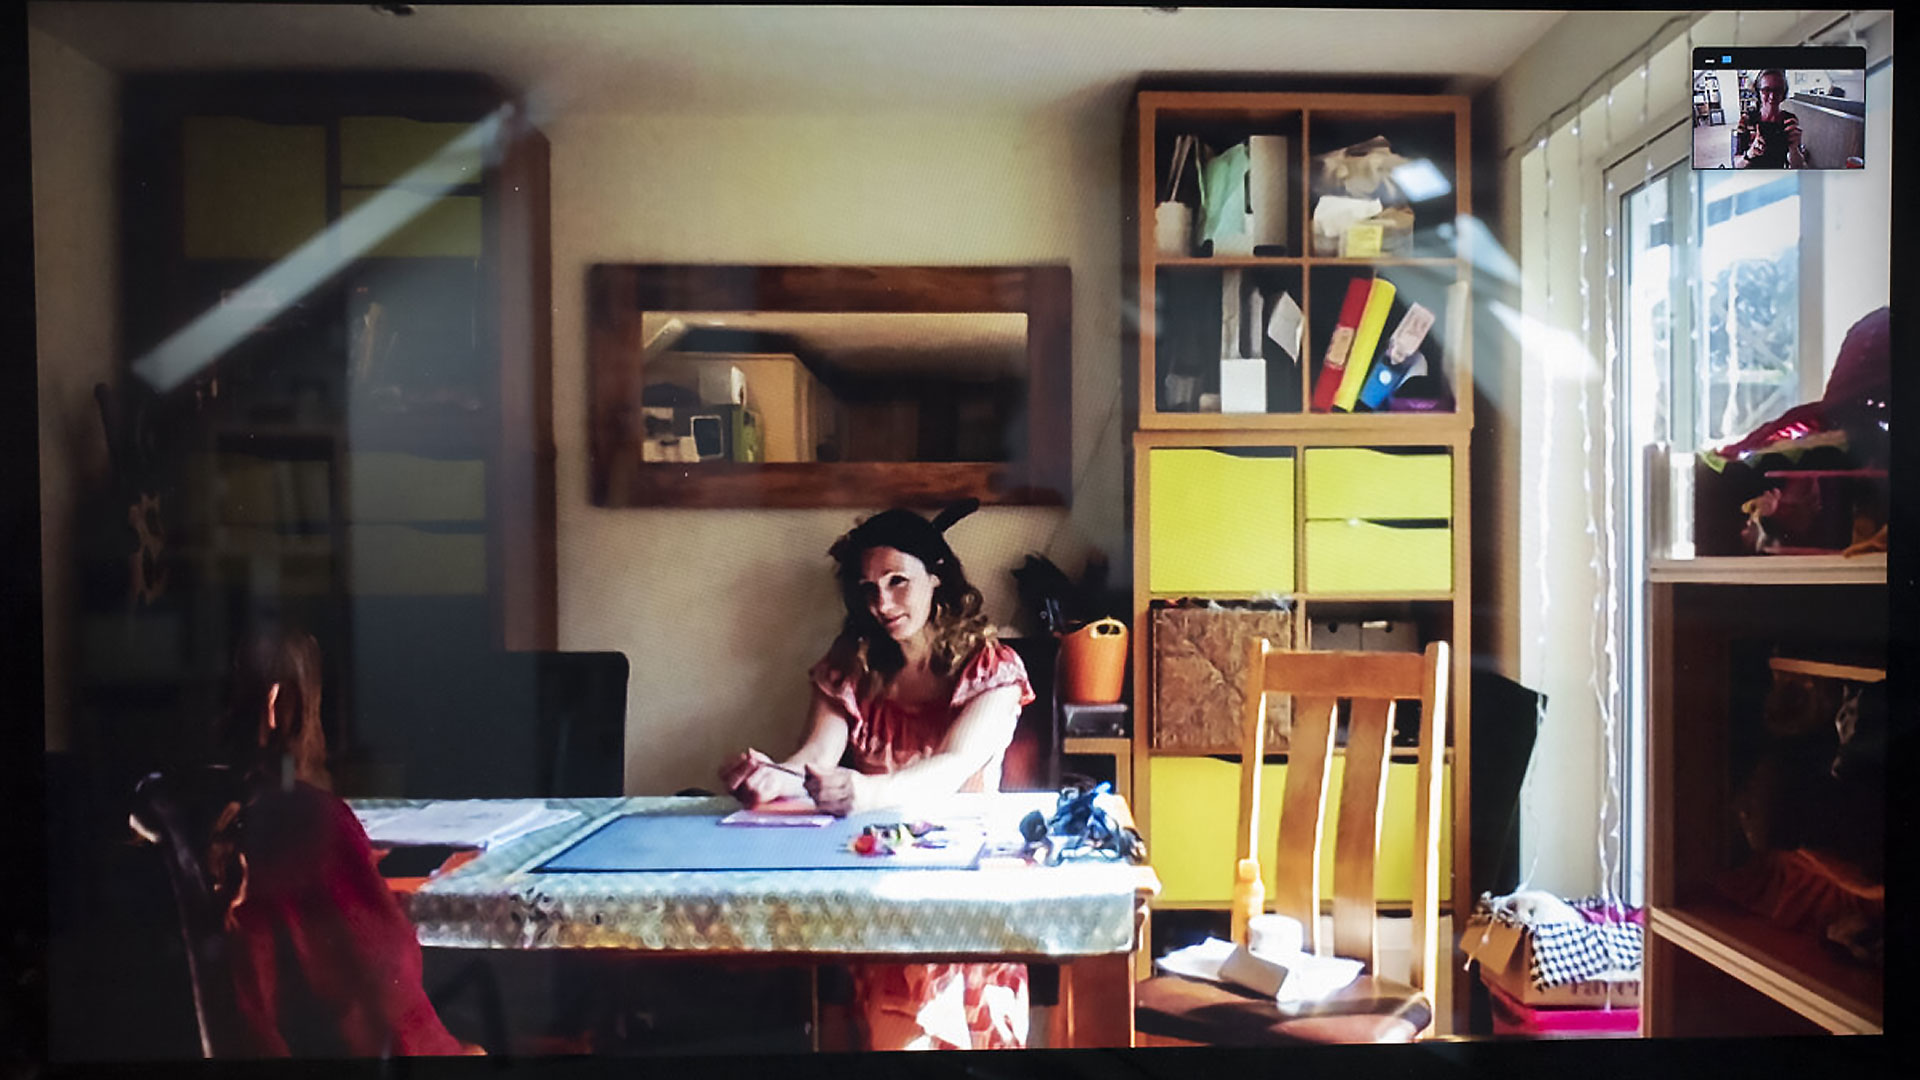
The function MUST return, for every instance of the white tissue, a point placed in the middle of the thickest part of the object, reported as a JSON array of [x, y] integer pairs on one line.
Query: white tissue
[[1286, 976], [1275, 933]]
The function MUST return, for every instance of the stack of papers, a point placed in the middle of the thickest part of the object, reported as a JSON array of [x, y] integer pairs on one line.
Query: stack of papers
[[1287, 977], [465, 823]]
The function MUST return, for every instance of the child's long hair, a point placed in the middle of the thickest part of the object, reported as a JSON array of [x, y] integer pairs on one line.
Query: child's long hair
[[295, 747], [959, 628]]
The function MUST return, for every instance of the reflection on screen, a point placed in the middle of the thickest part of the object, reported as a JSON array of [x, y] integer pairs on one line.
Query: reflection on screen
[[1783, 108]]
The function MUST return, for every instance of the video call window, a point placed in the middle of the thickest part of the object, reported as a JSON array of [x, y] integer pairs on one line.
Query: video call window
[[1780, 108]]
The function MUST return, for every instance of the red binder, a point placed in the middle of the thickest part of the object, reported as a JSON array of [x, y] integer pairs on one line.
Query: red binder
[[1334, 365]]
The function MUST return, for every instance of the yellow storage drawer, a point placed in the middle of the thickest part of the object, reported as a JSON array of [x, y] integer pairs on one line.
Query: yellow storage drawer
[[378, 150], [387, 488], [397, 560], [251, 190], [408, 224], [1354, 482], [1357, 557], [1194, 805], [1219, 522]]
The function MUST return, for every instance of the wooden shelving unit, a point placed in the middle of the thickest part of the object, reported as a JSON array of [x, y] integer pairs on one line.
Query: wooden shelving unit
[[1178, 301], [1717, 627], [412, 346]]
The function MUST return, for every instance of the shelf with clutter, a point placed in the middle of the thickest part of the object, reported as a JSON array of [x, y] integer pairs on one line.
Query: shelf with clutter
[[1258, 217]]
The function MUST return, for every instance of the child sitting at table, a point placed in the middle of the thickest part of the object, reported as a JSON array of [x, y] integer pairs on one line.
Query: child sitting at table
[[324, 962], [920, 699]]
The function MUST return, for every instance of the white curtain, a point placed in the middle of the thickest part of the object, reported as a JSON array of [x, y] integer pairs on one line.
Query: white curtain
[[1573, 522]]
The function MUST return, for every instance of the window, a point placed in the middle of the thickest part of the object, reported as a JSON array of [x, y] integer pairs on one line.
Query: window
[[1735, 291]]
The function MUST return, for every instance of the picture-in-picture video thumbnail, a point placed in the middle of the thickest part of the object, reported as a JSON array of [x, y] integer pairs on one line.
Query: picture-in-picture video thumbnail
[[1780, 108]]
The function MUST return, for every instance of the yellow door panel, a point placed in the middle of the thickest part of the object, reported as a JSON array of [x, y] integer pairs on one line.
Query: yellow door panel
[[1350, 556], [1194, 805], [1354, 482], [1219, 522]]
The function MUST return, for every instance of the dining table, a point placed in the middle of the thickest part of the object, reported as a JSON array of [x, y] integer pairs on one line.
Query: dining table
[[670, 876]]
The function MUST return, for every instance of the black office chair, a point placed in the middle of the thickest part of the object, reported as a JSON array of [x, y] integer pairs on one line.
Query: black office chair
[[178, 814], [582, 715]]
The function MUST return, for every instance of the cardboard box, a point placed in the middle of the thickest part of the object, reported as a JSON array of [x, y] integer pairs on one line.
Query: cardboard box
[[1199, 665], [1512, 1018], [1505, 955]]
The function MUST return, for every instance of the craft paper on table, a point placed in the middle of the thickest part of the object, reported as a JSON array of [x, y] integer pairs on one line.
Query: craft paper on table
[[465, 823], [374, 818], [1284, 325], [793, 813]]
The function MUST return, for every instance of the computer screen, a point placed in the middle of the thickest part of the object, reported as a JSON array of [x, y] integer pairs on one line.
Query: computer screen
[[1780, 108]]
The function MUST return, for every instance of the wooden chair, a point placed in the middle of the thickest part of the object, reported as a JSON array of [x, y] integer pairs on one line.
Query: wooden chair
[[1174, 1010]]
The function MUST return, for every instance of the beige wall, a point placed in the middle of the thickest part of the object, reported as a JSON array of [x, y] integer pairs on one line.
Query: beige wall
[[74, 116], [721, 611]]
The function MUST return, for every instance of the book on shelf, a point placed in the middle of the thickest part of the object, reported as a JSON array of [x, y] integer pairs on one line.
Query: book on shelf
[[1365, 338], [1391, 365], [1333, 365]]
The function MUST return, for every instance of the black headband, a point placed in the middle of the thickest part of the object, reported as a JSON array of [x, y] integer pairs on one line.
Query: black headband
[[905, 530]]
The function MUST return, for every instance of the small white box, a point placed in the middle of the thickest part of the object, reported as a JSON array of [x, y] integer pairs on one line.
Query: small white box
[[1243, 386], [722, 384]]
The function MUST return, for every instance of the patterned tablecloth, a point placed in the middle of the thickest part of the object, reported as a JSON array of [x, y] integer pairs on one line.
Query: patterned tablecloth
[[1080, 908]]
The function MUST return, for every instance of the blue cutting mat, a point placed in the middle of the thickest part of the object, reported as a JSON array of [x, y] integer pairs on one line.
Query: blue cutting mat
[[639, 842]]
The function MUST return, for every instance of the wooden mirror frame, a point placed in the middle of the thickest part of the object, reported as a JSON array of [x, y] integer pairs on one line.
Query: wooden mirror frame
[[619, 294]]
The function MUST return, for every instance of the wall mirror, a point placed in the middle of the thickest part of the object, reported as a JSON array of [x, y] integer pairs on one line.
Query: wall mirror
[[804, 386]]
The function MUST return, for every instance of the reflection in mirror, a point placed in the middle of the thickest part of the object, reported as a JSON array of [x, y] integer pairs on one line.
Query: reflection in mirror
[[836, 386], [841, 386]]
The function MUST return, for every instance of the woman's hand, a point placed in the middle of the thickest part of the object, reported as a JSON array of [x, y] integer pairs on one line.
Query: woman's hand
[[751, 778], [835, 791], [1794, 153]]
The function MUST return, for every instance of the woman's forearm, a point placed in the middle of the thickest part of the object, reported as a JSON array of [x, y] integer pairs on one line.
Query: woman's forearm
[[935, 774]]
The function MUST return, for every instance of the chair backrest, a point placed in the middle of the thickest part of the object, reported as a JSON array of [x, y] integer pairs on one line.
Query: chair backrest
[[582, 706], [1373, 683], [179, 813]]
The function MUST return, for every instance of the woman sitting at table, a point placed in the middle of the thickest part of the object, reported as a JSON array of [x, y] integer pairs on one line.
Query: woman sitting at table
[[921, 700], [324, 962]]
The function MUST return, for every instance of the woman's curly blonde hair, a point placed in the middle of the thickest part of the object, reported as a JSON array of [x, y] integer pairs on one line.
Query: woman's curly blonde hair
[[959, 627]]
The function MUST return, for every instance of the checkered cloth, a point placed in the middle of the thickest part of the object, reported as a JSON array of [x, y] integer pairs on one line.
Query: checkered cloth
[[1566, 953]]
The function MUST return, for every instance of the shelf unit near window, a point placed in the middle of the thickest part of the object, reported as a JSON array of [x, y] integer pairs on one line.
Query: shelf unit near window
[[1716, 626], [1352, 515]]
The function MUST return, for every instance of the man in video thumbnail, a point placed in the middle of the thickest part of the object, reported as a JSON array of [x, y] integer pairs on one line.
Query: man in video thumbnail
[[1769, 136]]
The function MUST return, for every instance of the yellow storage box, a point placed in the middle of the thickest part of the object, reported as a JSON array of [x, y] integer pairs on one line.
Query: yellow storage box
[[1354, 482], [1353, 557], [1195, 803], [1219, 522]]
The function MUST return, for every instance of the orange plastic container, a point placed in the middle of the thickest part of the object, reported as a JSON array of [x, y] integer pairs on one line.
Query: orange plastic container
[[1093, 663]]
